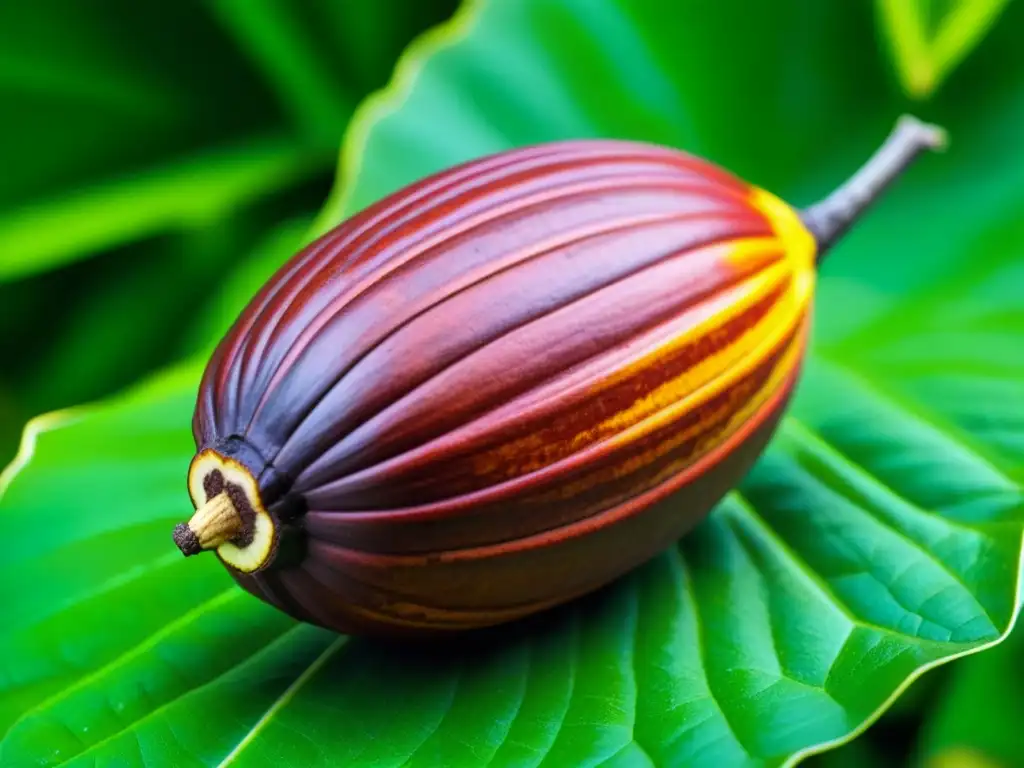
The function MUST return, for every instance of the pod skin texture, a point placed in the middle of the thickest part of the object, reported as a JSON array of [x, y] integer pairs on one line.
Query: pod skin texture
[[503, 386]]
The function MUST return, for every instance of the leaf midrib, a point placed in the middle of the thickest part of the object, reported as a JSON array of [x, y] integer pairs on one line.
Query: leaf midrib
[[281, 701]]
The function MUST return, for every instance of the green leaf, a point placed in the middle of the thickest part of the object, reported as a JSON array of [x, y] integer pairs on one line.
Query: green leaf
[[114, 131], [273, 35], [114, 642], [184, 194], [137, 171], [230, 296], [880, 536], [962, 758], [855, 754], [91, 99], [11, 421], [980, 710], [305, 50], [929, 38], [158, 286]]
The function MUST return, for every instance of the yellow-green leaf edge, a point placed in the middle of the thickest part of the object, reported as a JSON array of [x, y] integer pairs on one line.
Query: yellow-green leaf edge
[[922, 64]]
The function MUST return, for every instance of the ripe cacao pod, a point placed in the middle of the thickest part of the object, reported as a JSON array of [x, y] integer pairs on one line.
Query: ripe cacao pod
[[509, 383]]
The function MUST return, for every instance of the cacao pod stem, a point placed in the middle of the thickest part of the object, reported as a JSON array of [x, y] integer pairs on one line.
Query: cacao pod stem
[[829, 219], [214, 523]]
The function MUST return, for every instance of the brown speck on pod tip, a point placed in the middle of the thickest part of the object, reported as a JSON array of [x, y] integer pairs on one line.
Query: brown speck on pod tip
[[186, 540], [213, 484], [246, 515]]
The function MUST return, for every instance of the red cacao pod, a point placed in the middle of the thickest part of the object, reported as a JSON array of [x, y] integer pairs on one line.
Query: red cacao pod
[[509, 383]]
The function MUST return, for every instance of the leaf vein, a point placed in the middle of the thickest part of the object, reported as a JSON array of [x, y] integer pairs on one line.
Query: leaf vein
[[527, 664], [801, 567], [437, 726], [633, 655], [703, 653], [574, 629], [129, 653], [284, 698], [810, 436], [167, 704], [945, 429]]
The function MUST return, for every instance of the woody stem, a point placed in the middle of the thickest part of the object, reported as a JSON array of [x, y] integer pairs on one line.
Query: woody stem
[[829, 219]]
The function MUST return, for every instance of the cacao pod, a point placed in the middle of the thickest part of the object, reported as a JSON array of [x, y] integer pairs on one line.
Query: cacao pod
[[509, 383]]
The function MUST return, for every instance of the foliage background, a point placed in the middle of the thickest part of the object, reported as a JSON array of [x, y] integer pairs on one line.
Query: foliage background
[[160, 160], [150, 155]]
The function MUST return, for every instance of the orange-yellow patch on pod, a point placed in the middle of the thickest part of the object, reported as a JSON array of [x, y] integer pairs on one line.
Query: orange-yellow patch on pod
[[796, 239]]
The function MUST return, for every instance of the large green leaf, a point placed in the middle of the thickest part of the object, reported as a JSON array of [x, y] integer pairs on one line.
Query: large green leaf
[[172, 282], [144, 150], [878, 537]]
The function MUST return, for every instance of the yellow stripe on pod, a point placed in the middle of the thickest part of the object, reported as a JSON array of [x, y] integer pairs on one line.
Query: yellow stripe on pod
[[797, 241]]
